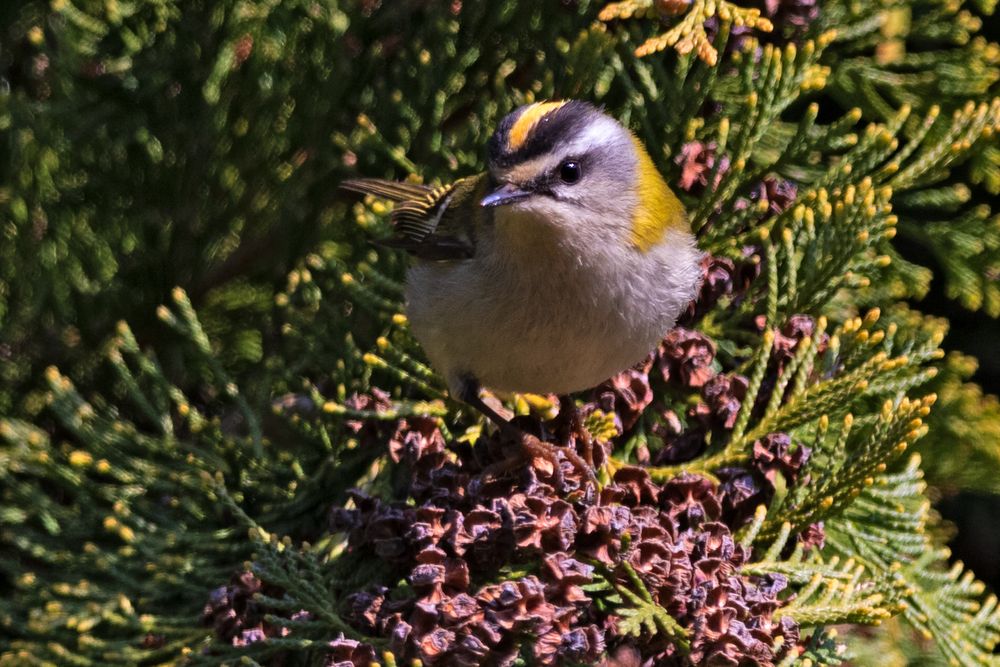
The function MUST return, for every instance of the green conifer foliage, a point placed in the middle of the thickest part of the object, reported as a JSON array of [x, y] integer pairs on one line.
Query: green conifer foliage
[[219, 441]]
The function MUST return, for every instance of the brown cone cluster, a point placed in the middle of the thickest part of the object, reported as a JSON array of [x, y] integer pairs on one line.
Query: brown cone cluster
[[496, 570], [235, 615], [722, 278], [745, 488], [697, 161], [791, 18], [480, 569]]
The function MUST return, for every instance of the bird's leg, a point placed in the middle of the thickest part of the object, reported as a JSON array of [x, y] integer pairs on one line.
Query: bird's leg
[[567, 407], [530, 445]]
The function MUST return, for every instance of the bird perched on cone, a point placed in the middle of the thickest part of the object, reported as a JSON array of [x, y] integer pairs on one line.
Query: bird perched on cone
[[563, 264]]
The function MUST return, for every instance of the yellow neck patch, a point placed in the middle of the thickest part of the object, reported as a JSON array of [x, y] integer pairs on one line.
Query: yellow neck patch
[[527, 121], [658, 208]]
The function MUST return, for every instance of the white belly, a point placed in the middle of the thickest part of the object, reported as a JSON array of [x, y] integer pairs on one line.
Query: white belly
[[559, 326]]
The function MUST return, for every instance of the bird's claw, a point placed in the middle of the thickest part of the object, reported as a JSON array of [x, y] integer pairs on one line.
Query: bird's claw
[[531, 447]]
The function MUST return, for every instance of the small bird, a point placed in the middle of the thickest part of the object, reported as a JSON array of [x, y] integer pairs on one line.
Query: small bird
[[563, 264]]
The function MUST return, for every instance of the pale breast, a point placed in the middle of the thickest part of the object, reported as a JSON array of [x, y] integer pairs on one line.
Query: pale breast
[[557, 326]]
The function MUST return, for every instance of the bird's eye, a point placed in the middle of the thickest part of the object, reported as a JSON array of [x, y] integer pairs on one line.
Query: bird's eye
[[570, 172]]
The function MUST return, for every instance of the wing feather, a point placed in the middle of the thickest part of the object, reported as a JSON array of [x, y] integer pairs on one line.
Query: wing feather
[[417, 217], [392, 190]]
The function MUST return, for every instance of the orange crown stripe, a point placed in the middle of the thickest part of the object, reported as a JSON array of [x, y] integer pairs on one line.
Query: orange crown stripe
[[527, 121]]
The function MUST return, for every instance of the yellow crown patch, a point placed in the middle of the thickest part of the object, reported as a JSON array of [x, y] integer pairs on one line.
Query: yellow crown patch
[[527, 121]]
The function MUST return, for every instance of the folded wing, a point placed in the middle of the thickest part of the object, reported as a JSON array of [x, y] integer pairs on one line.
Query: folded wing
[[423, 224]]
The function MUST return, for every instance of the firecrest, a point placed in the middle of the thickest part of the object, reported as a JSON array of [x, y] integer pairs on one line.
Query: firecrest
[[563, 264]]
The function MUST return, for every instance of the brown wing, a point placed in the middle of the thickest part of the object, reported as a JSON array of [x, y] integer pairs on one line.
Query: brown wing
[[428, 222]]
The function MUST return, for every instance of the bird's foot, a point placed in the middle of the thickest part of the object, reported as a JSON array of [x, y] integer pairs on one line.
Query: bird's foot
[[585, 468], [531, 447], [572, 430]]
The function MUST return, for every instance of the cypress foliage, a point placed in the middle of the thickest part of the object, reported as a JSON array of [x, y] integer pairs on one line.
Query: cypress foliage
[[219, 442]]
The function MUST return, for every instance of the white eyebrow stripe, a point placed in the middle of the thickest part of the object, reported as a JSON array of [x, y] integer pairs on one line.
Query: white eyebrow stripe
[[599, 132]]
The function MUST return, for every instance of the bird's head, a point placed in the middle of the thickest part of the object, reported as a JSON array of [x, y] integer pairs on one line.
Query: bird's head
[[567, 165]]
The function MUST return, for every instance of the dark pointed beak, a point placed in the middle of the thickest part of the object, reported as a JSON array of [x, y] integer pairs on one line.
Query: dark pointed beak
[[505, 194]]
